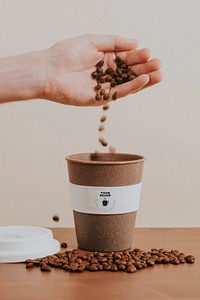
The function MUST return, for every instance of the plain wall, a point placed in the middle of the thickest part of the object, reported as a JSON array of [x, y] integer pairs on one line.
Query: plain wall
[[162, 122]]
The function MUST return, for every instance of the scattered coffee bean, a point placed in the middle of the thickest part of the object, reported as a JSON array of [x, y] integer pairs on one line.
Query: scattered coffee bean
[[190, 259], [112, 149], [46, 268], [56, 218], [63, 245]]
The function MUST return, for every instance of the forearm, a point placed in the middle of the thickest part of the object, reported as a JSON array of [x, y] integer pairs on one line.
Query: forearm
[[22, 77]]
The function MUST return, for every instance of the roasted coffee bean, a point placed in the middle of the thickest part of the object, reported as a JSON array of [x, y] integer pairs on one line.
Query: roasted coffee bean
[[108, 78], [93, 268], [113, 84], [106, 96], [100, 63], [94, 74], [97, 87], [101, 128], [46, 268], [99, 70], [102, 80], [103, 118], [190, 259], [98, 97], [109, 71], [103, 142], [56, 218], [63, 245], [112, 149], [113, 268], [131, 269], [114, 96], [117, 59], [102, 92], [106, 107], [29, 265]]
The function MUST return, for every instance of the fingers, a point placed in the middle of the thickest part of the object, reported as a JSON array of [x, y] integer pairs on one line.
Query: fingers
[[115, 43], [155, 77], [135, 56], [131, 86], [152, 65]]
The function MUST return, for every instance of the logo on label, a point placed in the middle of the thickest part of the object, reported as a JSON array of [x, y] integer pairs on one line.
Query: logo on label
[[105, 201]]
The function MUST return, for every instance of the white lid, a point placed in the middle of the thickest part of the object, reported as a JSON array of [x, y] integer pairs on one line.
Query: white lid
[[18, 243]]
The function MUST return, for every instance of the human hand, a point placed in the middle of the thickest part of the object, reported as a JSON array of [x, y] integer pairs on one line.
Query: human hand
[[69, 65]]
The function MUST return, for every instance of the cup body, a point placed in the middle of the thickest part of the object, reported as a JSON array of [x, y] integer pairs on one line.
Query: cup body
[[105, 195]]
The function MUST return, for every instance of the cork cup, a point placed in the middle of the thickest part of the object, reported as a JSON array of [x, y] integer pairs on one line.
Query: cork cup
[[105, 195]]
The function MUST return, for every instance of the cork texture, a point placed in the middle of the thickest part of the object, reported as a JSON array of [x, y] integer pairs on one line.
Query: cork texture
[[104, 233], [109, 169]]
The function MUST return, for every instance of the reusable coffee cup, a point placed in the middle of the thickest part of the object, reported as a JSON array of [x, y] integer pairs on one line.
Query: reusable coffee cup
[[105, 194]]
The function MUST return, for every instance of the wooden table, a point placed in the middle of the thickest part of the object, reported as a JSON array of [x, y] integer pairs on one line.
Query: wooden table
[[158, 282]]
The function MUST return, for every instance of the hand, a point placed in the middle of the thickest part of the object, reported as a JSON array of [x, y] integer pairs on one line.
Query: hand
[[69, 65]]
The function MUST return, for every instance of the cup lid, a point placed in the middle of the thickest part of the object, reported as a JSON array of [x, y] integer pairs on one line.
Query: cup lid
[[18, 243]]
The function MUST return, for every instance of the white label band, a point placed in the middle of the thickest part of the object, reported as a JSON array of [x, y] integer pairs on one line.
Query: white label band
[[105, 200]]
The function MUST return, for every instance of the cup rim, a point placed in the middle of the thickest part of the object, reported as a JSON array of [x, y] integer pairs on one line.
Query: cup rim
[[84, 158]]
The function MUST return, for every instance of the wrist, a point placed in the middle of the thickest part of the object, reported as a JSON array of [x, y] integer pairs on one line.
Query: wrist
[[22, 77]]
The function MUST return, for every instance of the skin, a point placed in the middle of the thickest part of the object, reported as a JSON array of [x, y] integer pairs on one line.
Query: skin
[[61, 73]]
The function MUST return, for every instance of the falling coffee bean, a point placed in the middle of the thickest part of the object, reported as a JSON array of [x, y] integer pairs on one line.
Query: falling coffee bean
[[63, 245], [56, 218], [101, 128], [114, 96]]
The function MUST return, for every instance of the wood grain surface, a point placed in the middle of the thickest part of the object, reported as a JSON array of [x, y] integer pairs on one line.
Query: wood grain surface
[[158, 282]]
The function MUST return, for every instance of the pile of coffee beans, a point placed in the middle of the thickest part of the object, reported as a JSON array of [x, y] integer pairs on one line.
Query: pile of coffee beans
[[121, 74], [129, 261]]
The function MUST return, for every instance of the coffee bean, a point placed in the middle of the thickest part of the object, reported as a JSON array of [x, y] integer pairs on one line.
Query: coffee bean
[[94, 74], [93, 268], [102, 92], [190, 259], [101, 128], [102, 80], [99, 70], [108, 78], [131, 269], [113, 268], [103, 118], [100, 63], [106, 96], [56, 218], [117, 59], [114, 96], [106, 107], [98, 97], [63, 245], [113, 84], [46, 268], [109, 71], [112, 149], [103, 142], [97, 87], [29, 265]]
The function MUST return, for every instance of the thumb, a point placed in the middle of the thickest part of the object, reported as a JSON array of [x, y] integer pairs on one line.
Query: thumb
[[116, 43]]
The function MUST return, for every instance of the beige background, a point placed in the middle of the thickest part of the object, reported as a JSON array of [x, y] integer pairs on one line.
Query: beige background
[[162, 122]]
